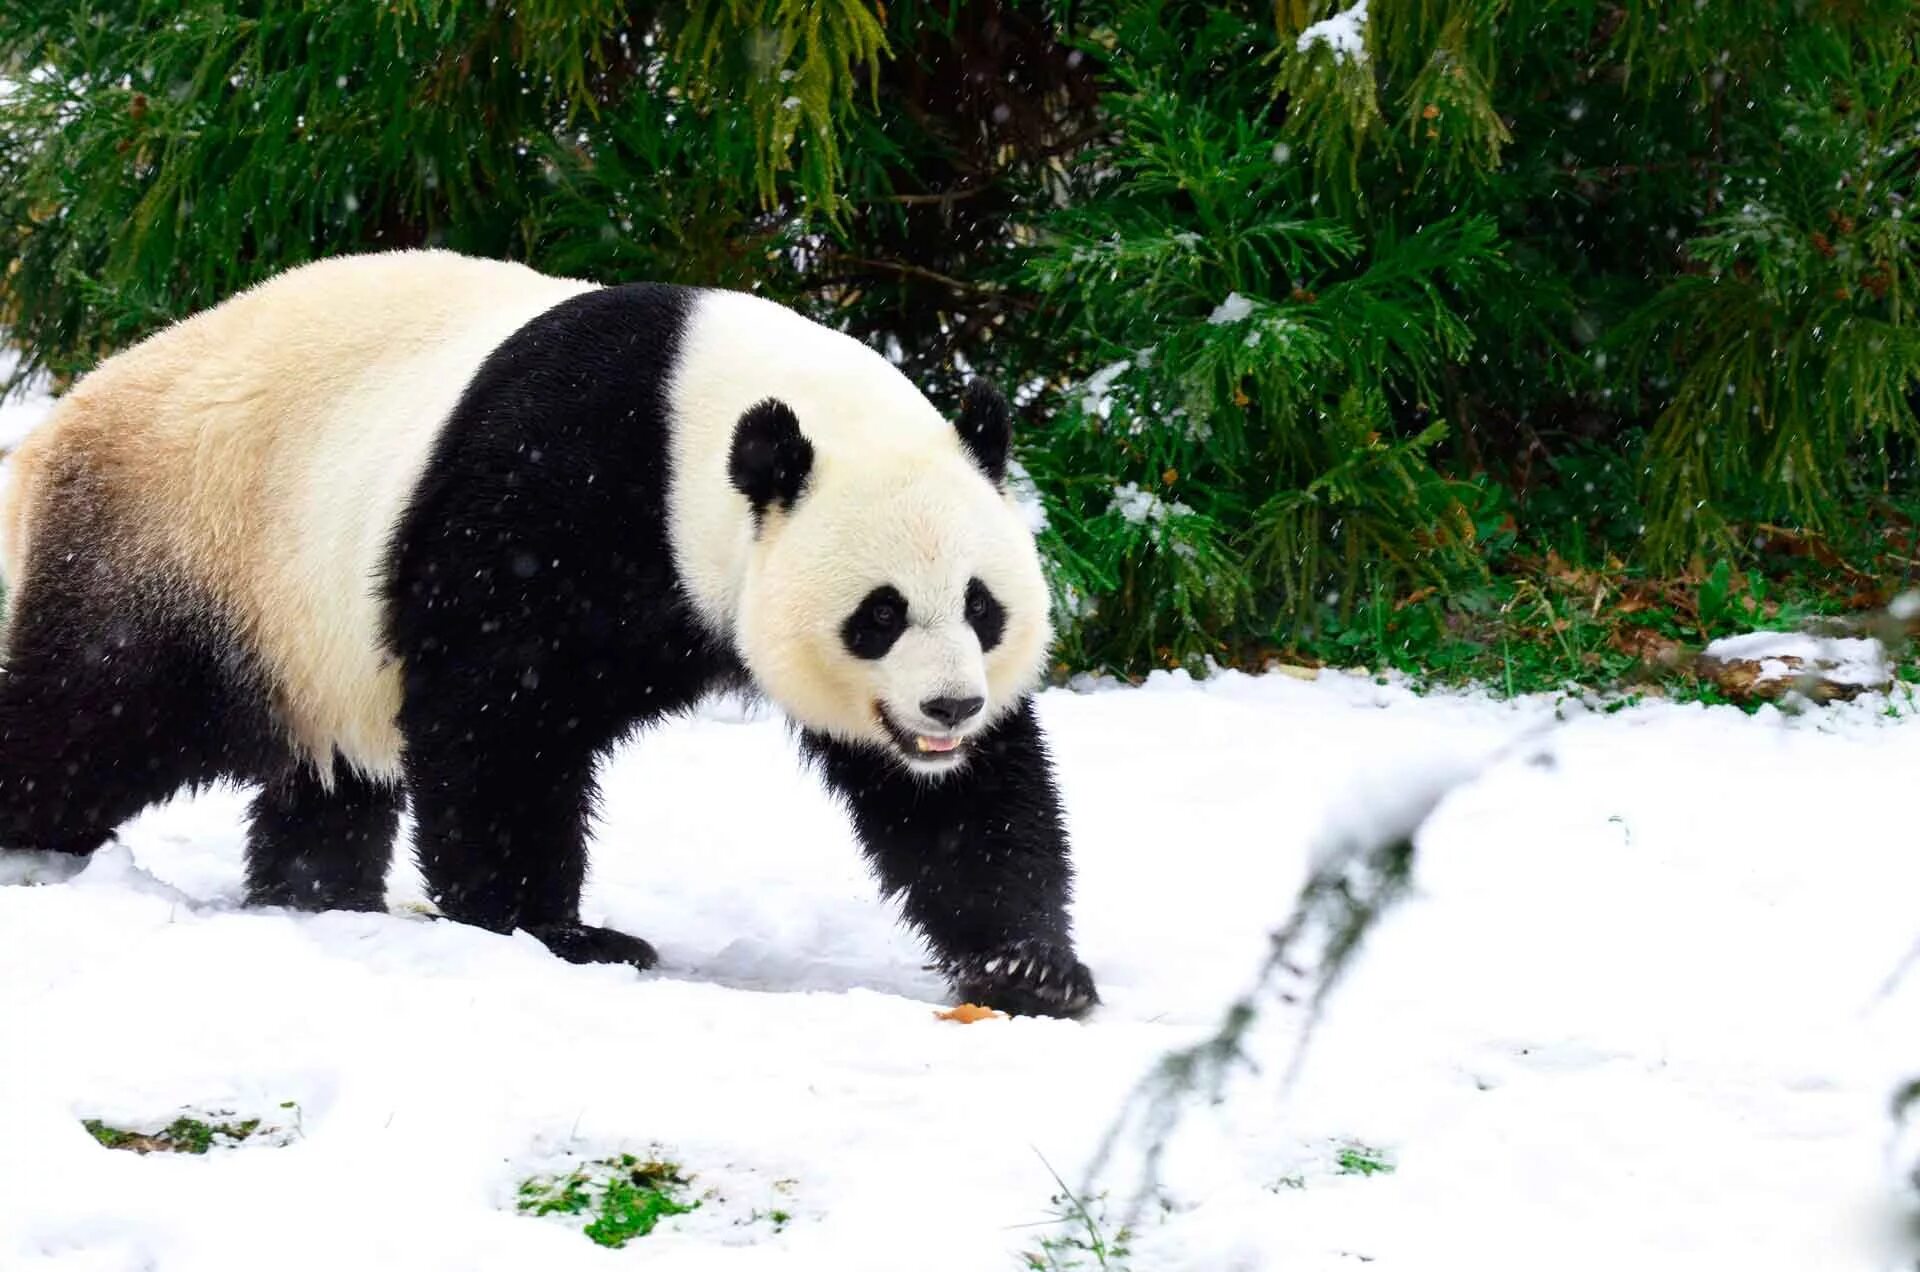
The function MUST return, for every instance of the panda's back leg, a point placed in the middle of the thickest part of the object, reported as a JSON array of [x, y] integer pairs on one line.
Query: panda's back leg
[[105, 709], [70, 772], [322, 846]]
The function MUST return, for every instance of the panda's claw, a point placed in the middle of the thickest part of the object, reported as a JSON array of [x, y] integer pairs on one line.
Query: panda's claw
[[582, 943], [1030, 977]]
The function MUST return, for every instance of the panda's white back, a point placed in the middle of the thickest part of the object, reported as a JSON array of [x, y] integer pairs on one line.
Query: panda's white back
[[344, 484], [266, 448]]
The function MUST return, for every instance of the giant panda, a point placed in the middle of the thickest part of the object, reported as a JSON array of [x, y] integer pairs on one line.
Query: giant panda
[[416, 526]]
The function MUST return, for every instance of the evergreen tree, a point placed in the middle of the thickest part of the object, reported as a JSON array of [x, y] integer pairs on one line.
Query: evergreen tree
[[1318, 312], [1312, 249]]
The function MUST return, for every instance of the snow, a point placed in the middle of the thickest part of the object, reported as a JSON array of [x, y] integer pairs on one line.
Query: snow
[[1641, 1010], [1096, 395], [1842, 660], [1233, 309], [1345, 34], [1143, 506], [1026, 496], [20, 411]]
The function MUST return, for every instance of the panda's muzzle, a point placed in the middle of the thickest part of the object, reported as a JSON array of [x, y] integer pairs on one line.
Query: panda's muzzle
[[922, 746], [952, 712]]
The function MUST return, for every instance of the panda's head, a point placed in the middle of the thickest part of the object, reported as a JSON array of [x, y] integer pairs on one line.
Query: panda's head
[[892, 598]]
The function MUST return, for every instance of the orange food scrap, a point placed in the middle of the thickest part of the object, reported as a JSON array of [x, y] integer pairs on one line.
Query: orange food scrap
[[967, 1013]]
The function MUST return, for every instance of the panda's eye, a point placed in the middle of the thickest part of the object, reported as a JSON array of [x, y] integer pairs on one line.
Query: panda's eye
[[985, 615], [875, 624]]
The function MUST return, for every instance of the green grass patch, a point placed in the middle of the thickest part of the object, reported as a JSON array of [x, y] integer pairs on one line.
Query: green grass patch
[[182, 1135], [1358, 1159], [622, 1197]]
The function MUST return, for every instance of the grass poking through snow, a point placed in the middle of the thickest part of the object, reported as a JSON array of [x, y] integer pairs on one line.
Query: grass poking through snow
[[625, 1197], [1358, 1159], [182, 1135], [1083, 1242]]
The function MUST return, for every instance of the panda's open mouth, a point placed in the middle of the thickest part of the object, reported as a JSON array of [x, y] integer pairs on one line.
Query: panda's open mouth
[[921, 747]]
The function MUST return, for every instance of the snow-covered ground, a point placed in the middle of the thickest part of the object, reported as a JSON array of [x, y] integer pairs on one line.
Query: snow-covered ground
[[1636, 1014]]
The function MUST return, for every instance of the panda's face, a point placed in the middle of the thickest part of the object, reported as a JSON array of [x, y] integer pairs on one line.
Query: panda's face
[[897, 603]]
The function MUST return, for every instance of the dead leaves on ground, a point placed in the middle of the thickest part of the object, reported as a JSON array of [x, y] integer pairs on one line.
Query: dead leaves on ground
[[969, 1013]]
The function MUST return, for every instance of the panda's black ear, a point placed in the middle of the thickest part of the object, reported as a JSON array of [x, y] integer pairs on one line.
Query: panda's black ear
[[771, 457], [986, 426]]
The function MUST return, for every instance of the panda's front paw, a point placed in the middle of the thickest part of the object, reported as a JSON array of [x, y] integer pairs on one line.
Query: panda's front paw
[[580, 943], [1027, 978]]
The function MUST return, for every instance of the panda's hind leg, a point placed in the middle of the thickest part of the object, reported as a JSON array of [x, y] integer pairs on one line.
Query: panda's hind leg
[[322, 846], [71, 767], [104, 710]]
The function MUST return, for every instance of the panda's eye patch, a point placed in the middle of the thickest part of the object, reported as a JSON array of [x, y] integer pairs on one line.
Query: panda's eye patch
[[875, 623], [985, 613]]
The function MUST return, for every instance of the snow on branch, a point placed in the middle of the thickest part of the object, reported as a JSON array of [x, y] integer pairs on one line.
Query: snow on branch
[[1345, 33]]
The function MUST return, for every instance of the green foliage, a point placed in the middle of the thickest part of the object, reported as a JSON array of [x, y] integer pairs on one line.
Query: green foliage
[[1230, 458], [1517, 218], [1081, 1240], [625, 1197], [182, 1135], [154, 158], [1323, 351], [1358, 1159], [793, 61], [1790, 344]]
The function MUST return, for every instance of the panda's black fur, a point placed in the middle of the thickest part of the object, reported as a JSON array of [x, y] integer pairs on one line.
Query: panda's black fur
[[120, 686], [534, 603], [533, 600]]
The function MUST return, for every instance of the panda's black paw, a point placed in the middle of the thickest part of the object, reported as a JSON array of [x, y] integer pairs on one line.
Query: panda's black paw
[[1027, 978], [579, 943]]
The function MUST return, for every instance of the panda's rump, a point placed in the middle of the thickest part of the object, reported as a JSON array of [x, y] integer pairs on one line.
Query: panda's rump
[[263, 451]]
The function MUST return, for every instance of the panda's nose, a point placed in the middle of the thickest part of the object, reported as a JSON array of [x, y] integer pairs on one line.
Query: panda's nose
[[952, 711]]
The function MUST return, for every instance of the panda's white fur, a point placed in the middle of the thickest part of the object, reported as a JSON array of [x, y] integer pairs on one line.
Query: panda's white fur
[[269, 446]]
